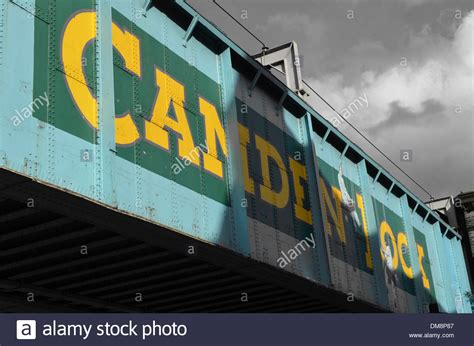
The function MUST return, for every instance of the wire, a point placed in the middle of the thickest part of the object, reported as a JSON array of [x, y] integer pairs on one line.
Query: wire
[[264, 46], [360, 133], [368, 140]]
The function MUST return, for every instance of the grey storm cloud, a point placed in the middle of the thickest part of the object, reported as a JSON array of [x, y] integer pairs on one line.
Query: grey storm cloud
[[399, 116], [412, 59]]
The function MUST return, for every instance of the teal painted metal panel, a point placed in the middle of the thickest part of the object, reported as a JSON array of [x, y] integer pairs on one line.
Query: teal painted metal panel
[[313, 178], [373, 231], [239, 226], [141, 115]]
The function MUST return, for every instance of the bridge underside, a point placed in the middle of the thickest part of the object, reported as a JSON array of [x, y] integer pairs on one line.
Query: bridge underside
[[128, 258]]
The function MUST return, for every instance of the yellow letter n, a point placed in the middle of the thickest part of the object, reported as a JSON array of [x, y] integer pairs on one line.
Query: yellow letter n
[[335, 211]]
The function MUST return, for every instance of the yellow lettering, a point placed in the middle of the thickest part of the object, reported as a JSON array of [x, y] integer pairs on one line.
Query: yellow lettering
[[299, 172], [170, 92], [402, 241], [368, 254], [267, 150], [334, 212], [244, 137], [128, 46], [214, 130], [421, 254], [80, 30]]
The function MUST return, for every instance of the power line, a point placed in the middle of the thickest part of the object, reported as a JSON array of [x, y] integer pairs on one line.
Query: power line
[[264, 48], [368, 140], [360, 133]]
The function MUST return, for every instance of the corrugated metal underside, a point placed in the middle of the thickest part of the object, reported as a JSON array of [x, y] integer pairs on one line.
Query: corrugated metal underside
[[40, 253]]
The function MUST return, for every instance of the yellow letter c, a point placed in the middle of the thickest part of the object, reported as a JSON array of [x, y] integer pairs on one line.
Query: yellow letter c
[[79, 32]]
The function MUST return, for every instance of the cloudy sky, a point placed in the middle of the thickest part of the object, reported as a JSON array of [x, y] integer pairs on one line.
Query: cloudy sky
[[412, 59]]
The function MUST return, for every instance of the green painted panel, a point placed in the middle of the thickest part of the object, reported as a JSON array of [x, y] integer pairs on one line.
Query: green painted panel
[[397, 276], [283, 219], [49, 71], [132, 94], [429, 294], [354, 249]]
